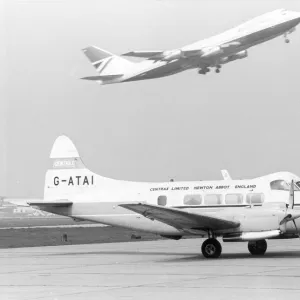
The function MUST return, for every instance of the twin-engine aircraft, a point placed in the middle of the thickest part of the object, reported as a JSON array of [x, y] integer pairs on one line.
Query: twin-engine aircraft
[[203, 55], [238, 210]]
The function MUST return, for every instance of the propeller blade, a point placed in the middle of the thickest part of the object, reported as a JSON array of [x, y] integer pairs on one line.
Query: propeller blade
[[296, 228], [289, 218], [292, 195]]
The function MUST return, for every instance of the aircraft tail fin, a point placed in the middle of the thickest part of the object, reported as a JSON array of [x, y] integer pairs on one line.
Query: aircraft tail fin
[[107, 64], [95, 54], [67, 174]]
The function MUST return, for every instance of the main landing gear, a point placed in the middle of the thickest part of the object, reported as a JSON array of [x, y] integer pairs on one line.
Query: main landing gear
[[203, 71], [206, 70], [257, 247], [211, 248]]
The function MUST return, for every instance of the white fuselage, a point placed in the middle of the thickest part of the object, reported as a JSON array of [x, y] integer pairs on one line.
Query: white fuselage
[[246, 35], [97, 199]]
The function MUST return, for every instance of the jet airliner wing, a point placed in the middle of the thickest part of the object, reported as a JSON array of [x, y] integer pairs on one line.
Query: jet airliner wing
[[142, 54], [156, 55], [103, 77], [179, 218]]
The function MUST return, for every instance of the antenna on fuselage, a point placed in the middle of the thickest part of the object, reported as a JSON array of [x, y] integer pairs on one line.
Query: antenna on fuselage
[[225, 175]]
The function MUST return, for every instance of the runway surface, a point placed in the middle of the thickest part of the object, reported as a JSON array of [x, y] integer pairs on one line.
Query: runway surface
[[162, 269]]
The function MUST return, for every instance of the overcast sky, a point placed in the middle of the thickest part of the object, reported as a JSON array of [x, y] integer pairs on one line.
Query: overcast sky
[[186, 126]]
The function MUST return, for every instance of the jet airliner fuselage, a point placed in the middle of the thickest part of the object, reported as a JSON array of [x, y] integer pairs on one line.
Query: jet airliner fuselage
[[202, 55]]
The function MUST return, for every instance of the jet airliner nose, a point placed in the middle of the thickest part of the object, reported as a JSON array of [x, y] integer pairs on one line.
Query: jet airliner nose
[[295, 15]]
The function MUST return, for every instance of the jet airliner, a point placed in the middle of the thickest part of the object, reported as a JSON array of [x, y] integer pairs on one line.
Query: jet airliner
[[250, 210], [203, 55]]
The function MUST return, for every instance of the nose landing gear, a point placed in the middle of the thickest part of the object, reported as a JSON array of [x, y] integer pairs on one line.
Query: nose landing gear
[[286, 39], [218, 69]]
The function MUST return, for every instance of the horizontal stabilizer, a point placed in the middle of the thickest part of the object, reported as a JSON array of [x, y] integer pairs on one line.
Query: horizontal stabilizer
[[54, 203], [18, 201], [181, 219], [142, 54], [104, 77]]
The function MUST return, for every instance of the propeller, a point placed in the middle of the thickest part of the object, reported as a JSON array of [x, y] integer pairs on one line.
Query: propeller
[[289, 217], [292, 195]]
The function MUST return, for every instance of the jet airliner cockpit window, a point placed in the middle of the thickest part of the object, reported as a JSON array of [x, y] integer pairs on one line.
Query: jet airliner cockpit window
[[279, 185], [192, 200], [255, 198]]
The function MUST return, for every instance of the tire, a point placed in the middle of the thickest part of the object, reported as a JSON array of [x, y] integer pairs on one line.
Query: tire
[[211, 248], [257, 247]]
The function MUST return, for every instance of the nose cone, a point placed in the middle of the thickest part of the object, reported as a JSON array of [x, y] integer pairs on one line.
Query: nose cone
[[295, 15]]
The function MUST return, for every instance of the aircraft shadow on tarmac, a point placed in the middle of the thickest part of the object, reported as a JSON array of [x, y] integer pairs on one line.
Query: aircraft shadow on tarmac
[[229, 256], [188, 256]]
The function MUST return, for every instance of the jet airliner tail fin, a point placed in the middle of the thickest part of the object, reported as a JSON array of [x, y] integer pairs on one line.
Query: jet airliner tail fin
[[95, 55], [108, 65]]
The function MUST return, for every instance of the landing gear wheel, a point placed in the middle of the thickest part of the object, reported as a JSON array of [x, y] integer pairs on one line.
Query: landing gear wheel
[[287, 41], [257, 247], [203, 71], [211, 248], [218, 70]]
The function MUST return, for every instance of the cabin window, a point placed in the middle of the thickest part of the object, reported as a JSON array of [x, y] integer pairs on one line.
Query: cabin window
[[279, 185], [162, 200], [234, 199], [255, 198], [213, 199], [192, 200]]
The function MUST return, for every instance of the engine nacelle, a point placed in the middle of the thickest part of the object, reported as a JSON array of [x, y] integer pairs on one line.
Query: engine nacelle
[[172, 237], [239, 55], [171, 55], [211, 51], [252, 236]]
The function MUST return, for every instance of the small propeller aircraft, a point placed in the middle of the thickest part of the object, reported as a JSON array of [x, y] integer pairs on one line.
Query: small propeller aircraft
[[250, 210]]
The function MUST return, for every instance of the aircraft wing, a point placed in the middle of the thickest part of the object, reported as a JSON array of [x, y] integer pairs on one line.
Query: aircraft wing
[[203, 51], [103, 77], [143, 54], [179, 218]]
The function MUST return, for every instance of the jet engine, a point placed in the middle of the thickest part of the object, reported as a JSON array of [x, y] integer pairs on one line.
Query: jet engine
[[171, 55], [239, 55]]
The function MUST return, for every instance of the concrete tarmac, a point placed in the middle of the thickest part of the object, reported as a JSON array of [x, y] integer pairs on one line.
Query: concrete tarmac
[[156, 270]]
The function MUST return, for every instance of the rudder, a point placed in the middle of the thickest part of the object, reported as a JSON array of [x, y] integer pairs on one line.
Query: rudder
[[106, 63], [67, 174]]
